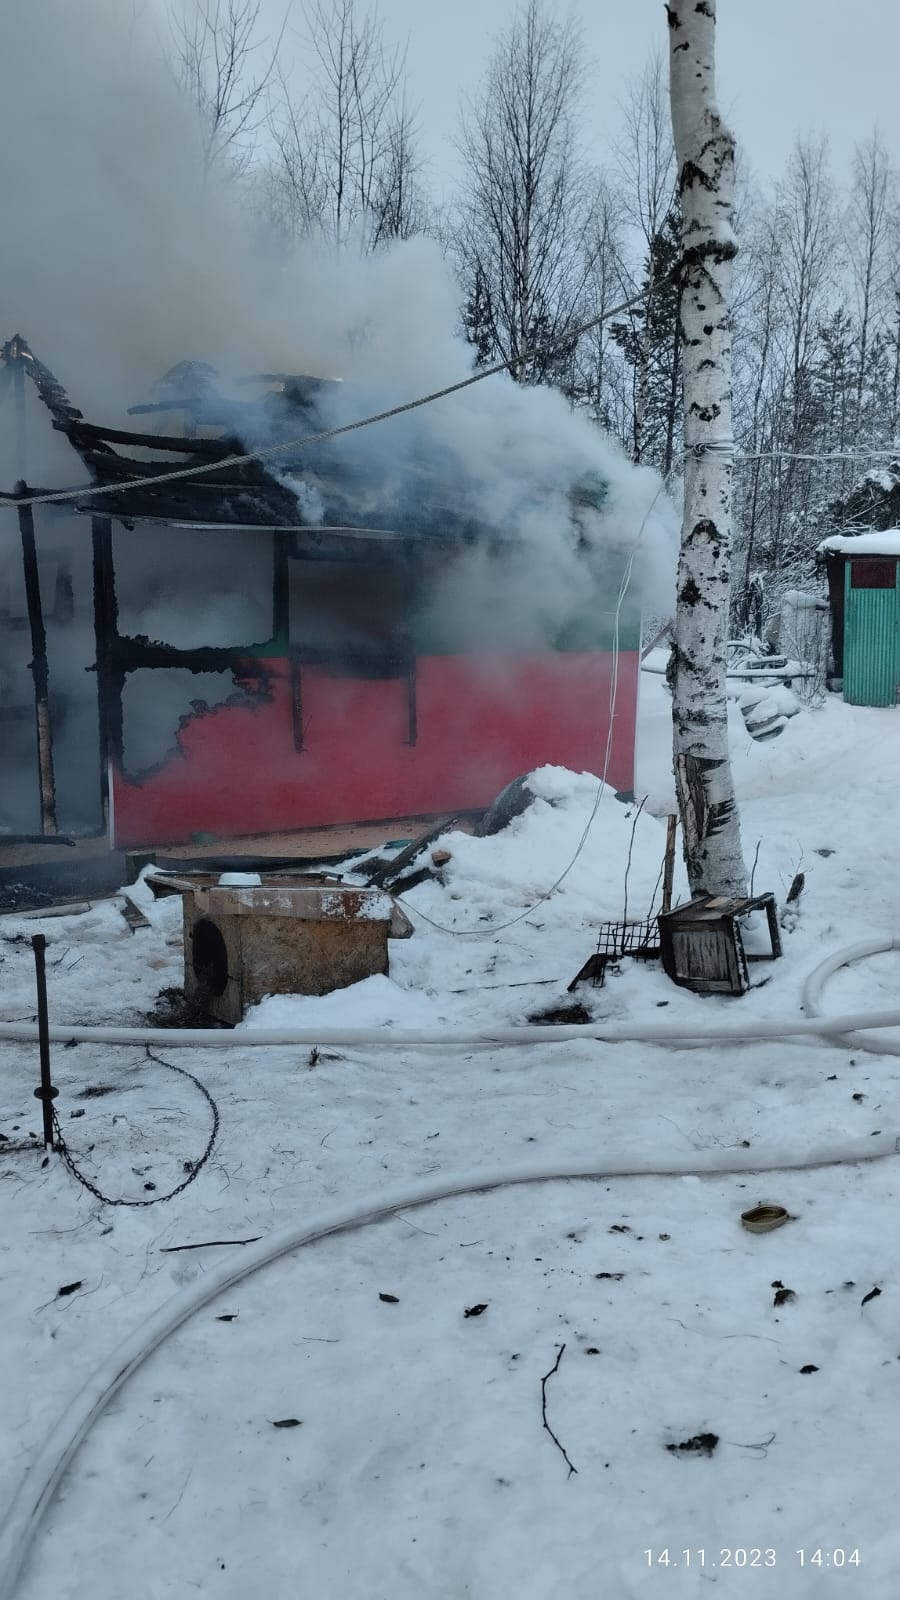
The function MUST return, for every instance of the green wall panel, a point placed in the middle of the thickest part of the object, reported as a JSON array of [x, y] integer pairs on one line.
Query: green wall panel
[[871, 643]]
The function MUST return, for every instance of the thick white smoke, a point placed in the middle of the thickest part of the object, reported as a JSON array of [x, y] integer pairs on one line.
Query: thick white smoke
[[119, 258]]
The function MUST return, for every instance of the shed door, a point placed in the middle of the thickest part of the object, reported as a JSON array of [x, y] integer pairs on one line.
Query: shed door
[[871, 631]]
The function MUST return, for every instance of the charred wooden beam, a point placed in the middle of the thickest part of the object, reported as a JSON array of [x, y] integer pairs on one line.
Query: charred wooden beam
[[12, 498], [39, 668], [36, 838], [109, 680], [296, 673], [21, 420], [412, 711], [47, 384], [180, 403], [205, 411], [132, 653], [234, 511], [176, 503], [92, 434], [241, 474], [281, 586], [669, 864]]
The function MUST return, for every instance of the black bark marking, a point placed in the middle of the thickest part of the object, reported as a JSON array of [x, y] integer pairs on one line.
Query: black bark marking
[[672, 18], [720, 815], [705, 529], [689, 592], [689, 771], [716, 250], [705, 9]]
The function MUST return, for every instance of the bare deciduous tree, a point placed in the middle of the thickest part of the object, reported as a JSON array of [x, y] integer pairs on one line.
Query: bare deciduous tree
[[220, 59], [759, 396], [522, 222], [807, 226], [646, 161], [344, 155], [645, 153], [873, 203], [598, 380], [291, 183], [397, 204]]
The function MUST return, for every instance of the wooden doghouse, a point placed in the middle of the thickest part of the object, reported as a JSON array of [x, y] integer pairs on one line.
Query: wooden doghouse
[[241, 943]]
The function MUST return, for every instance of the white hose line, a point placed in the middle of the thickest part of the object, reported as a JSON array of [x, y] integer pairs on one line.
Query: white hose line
[[401, 1038], [37, 1489], [815, 983]]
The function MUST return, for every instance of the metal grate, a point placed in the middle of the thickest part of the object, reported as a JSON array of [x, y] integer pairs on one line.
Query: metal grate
[[640, 940]]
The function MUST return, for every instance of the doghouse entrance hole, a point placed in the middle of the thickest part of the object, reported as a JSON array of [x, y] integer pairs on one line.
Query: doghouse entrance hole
[[210, 957]]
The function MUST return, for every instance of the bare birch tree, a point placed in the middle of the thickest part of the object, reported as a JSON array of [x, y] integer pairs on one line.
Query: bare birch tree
[[705, 155], [521, 229]]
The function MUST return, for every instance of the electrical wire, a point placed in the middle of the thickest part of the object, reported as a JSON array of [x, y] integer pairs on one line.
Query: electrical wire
[[726, 447], [827, 455]]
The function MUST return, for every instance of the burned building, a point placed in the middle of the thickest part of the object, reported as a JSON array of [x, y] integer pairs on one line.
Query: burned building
[[250, 619]]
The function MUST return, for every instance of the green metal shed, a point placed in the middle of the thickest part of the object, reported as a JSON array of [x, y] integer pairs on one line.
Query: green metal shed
[[864, 590]]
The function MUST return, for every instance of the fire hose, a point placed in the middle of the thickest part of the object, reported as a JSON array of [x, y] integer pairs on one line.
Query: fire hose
[[38, 1487]]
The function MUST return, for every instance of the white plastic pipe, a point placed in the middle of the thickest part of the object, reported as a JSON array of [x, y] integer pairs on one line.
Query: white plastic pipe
[[40, 1482], [815, 984], [741, 1032]]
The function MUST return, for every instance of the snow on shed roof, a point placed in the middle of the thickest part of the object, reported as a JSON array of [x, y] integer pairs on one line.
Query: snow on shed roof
[[886, 543]]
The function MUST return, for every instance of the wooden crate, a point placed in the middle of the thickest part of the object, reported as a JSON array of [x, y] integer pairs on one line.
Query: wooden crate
[[702, 946]]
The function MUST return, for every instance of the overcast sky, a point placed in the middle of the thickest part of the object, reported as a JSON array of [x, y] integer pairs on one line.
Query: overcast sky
[[785, 66]]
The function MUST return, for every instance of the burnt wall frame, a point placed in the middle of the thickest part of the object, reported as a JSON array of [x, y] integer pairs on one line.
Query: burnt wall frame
[[395, 659], [119, 654]]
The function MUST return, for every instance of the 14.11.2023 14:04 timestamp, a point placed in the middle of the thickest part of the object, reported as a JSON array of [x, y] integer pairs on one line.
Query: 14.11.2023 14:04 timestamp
[[750, 1556]]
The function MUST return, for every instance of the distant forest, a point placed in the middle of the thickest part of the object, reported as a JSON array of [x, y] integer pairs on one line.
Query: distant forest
[[542, 235]]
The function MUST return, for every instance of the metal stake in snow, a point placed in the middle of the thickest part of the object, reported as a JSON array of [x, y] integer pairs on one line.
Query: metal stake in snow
[[46, 1092]]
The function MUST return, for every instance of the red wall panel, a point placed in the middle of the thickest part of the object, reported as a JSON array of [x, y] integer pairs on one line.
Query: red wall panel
[[481, 721]]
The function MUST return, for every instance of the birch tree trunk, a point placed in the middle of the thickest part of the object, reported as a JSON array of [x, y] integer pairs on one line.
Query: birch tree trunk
[[705, 154]]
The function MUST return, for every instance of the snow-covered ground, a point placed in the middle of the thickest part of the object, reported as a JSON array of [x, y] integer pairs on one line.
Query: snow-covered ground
[[420, 1466]]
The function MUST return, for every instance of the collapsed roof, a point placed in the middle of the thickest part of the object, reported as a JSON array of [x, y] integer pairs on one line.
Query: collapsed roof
[[312, 489], [355, 489]]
